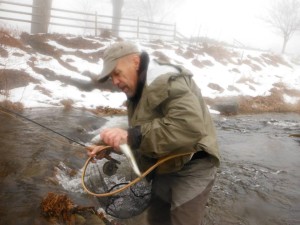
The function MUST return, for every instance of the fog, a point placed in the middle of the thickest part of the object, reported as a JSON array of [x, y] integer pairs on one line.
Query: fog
[[230, 21]]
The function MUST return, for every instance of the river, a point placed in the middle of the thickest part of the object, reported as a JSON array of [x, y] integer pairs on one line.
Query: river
[[258, 180]]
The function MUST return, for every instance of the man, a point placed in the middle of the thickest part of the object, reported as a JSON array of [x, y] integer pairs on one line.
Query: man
[[167, 115]]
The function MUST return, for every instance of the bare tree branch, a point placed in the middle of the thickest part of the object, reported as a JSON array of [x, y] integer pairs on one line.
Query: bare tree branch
[[284, 16], [155, 11]]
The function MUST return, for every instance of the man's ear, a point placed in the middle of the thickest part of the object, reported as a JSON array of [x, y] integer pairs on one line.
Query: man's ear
[[136, 60]]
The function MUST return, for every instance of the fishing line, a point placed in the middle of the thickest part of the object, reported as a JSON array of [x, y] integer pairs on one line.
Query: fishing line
[[8, 111]]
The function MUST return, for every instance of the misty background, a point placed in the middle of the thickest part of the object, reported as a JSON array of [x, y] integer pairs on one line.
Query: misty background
[[241, 23]]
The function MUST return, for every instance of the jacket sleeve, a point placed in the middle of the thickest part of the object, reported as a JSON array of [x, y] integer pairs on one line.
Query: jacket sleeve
[[181, 125]]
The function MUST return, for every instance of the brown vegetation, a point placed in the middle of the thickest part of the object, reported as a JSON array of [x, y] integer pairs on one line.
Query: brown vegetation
[[43, 90], [215, 87], [188, 54], [7, 39], [76, 42], [253, 66], [39, 43], [14, 106], [274, 60], [108, 111], [202, 63], [10, 79], [161, 56], [271, 103], [3, 53], [244, 80], [58, 206], [60, 209], [220, 54]]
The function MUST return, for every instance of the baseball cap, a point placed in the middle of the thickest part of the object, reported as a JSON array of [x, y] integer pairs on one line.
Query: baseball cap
[[112, 54]]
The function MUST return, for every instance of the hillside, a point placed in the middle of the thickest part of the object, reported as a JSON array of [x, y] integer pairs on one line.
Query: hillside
[[52, 70]]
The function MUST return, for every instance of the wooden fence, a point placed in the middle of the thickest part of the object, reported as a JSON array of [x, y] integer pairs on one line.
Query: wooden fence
[[92, 23]]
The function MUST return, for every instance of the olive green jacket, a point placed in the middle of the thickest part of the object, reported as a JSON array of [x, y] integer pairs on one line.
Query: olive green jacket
[[173, 118]]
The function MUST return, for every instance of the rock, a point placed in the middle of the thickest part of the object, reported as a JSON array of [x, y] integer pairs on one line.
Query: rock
[[226, 107]]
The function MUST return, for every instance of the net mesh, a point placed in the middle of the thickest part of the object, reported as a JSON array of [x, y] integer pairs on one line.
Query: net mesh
[[107, 175]]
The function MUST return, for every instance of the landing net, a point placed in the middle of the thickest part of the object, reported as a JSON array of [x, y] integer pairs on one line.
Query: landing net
[[108, 175]]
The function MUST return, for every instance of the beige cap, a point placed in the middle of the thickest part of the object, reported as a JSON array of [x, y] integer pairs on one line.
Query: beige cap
[[112, 54]]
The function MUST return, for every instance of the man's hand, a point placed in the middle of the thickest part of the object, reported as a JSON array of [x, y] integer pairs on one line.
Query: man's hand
[[114, 137], [100, 151]]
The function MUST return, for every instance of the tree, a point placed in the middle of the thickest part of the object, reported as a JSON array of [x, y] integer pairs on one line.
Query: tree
[[162, 11], [117, 14], [86, 6], [284, 16], [154, 11], [41, 10]]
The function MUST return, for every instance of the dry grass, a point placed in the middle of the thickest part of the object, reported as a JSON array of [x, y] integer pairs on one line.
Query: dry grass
[[220, 54], [215, 87], [38, 43], [43, 90], [188, 54], [14, 106], [233, 88], [202, 63], [274, 60], [10, 79], [7, 39], [253, 66], [256, 59], [107, 111], [235, 70], [161, 56], [244, 80], [76, 42], [271, 103], [291, 92], [60, 209], [3, 52]]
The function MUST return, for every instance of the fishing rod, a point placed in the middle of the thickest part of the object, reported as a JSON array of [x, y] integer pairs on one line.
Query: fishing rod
[[125, 149], [41, 125]]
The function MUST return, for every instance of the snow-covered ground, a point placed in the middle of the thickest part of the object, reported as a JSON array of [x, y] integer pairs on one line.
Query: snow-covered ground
[[53, 61]]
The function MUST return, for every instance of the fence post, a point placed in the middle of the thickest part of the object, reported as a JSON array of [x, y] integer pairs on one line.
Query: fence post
[[96, 23], [138, 28], [41, 13]]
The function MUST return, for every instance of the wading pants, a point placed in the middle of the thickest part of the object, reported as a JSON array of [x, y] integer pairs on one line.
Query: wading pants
[[179, 198]]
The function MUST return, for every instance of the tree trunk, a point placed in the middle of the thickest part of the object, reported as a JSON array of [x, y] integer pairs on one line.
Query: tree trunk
[[285, 40], [117, 14], [41, 12]]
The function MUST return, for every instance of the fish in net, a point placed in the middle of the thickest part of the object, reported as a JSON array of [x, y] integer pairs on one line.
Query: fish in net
[[115, 174]]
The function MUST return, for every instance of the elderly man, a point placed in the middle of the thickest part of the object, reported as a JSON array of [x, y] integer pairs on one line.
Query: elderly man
[[167, 115]]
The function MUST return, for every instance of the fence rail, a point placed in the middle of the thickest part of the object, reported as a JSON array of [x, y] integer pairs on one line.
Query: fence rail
[[128, 27]]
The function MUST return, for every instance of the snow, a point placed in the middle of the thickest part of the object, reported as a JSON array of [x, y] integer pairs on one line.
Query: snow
[[235, 79]]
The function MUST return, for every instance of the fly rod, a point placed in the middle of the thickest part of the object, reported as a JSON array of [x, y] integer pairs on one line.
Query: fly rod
[[41, 125], [125, 149]]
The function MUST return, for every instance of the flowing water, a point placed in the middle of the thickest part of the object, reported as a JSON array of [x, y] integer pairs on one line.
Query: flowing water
[[258, 181]]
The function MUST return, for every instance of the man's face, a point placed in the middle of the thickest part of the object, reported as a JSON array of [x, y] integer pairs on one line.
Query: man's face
[[125, 74]]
